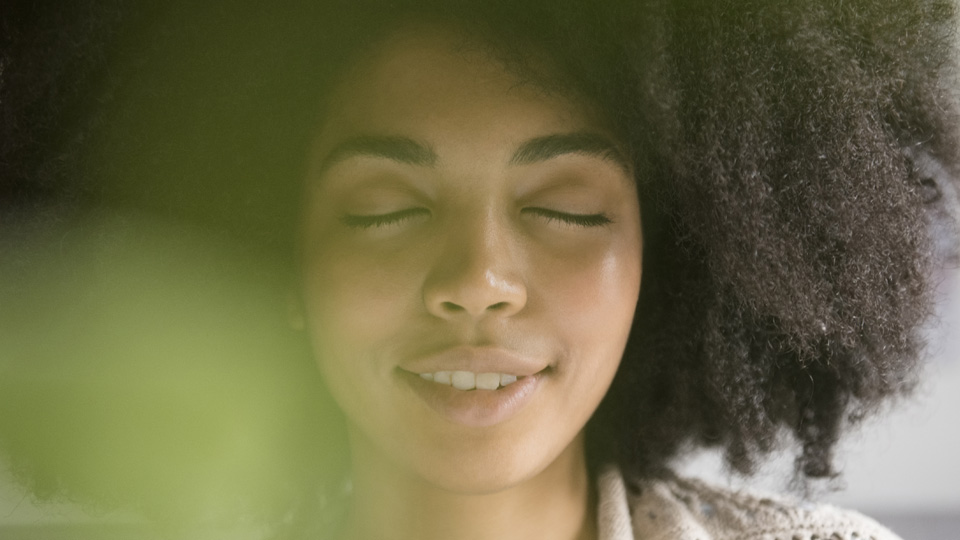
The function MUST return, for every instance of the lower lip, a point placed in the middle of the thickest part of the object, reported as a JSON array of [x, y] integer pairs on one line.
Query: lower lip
[[474, 408]]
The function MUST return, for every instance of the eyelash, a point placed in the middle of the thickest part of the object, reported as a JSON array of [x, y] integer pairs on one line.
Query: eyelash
[[382, 220], [579, 220], [395, 218]]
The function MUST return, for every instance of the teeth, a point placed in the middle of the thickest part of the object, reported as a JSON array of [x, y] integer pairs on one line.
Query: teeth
[[464, 380], [468, 380], [488, 381]]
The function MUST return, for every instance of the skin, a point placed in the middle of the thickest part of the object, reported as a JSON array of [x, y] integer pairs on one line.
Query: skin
[[436, 231]]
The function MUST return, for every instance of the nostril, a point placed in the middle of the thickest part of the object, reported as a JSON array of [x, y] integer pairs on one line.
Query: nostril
[[451, 307], [498, 306]]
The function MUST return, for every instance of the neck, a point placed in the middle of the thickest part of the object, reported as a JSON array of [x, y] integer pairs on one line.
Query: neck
[[390, 503]]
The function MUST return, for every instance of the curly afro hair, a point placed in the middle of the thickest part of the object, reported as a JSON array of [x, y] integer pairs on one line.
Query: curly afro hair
[[777, 146], [787, 278]]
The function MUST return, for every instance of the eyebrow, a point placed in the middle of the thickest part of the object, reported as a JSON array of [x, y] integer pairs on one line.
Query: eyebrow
[[400, 149], [551, 146], [411, 152]]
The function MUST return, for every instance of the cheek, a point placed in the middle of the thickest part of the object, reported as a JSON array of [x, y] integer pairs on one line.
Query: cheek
[[597, 288], [591, 301], [350, 295], [347, 292], [353, 306]]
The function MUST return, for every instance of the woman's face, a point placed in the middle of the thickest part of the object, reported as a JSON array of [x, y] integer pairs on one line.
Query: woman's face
[[468, 228]]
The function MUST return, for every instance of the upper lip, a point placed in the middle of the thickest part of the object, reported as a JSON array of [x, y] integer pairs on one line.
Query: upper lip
[[476, 360]]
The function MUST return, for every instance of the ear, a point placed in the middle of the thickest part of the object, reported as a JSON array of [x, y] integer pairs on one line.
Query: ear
[[296, 317]]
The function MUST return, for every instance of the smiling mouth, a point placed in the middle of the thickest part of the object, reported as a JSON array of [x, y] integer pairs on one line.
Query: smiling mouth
[[468, 380], [474, 399]]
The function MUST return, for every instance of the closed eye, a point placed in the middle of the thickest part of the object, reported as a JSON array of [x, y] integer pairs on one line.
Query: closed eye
[[366, 221], [566, 218]]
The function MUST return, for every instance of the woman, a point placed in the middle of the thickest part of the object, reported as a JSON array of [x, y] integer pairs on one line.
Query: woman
[[544, 249]]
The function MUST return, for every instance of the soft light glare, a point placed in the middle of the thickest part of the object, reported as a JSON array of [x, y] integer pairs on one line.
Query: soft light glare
[[148, 365]]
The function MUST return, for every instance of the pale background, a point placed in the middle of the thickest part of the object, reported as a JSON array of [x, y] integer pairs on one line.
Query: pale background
[[902, 468]]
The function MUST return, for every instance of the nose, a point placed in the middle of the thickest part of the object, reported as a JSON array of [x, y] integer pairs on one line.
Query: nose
[[476, 275]]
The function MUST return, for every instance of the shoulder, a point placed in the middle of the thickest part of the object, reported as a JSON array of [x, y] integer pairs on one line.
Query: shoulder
[[679, 508]]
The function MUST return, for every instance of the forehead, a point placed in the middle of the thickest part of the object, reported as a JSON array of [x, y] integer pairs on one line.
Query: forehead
[[432, 80]]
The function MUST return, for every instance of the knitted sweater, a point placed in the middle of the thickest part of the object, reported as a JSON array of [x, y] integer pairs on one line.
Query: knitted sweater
[[679, 509]]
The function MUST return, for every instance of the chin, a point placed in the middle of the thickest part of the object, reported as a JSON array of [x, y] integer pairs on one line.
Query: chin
[[481, 477], [485, 467]]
